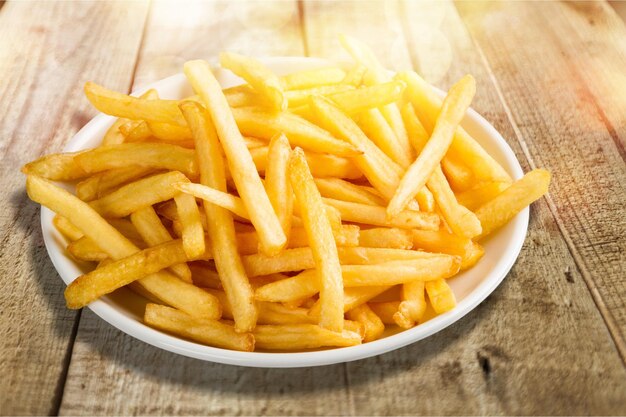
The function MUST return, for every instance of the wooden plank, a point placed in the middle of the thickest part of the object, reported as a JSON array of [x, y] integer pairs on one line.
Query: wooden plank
[[45, 59], [201, 30], [576, 57], [107, 364], [508, 350]]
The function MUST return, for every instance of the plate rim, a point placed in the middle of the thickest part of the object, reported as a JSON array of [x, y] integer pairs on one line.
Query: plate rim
[[174, 344]]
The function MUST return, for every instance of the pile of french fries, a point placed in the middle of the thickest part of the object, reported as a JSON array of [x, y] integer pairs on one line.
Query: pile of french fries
[[290, 212]]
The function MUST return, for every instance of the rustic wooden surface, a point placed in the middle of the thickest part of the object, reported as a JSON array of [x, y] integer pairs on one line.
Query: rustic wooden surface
[[551, 78]]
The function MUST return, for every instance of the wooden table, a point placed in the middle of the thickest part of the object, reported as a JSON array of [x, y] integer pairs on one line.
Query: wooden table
[[551, 78]]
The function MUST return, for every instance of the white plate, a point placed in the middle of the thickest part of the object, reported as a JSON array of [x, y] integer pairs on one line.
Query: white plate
[[123, 309]]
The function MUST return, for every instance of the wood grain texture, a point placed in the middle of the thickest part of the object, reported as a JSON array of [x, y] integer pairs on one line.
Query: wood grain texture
[[573, 122], [201, 30], [485, 364], [550, 80], [45, 58]]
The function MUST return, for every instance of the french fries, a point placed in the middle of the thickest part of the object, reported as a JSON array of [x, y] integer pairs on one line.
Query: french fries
[[277, 183], [210, 332], [321, 240], [148, 155], [201, 206], [128, 107], [152, 231], [219, 221], [373, 325], [452, 111], [302, 336], [506, 205], [161, 285], [192, 233], [241, 165], [264, 81], [384, 237], [139, 194], [261, 123]]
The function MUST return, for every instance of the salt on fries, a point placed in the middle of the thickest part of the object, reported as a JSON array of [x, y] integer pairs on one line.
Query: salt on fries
[[315, 209]]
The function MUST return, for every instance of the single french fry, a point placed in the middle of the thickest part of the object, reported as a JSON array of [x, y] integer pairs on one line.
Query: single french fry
[[355, 101], [321, 240], [321, 165], [452, 112], [277, 183], [385, 310], [413, 306], [91, 286], [161, 285], [440, 295], [302, 336], [217, 197], [208, 332], [298, 259], [261, 78], [242, 168], [147, 155], [384, 237], [125, 106], [85, 249], [102, 183], [312, 78], [373, 325], [374, 125], [220, 227], [462, 221], [377, 216], [301, 286], [139, 194], [56, 167], [205, 276], [480, 194], [264, 124], [427, 104], [300, 97], [497, 212], [66, 228], [192, 233], [339, 189], [400, 272]]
